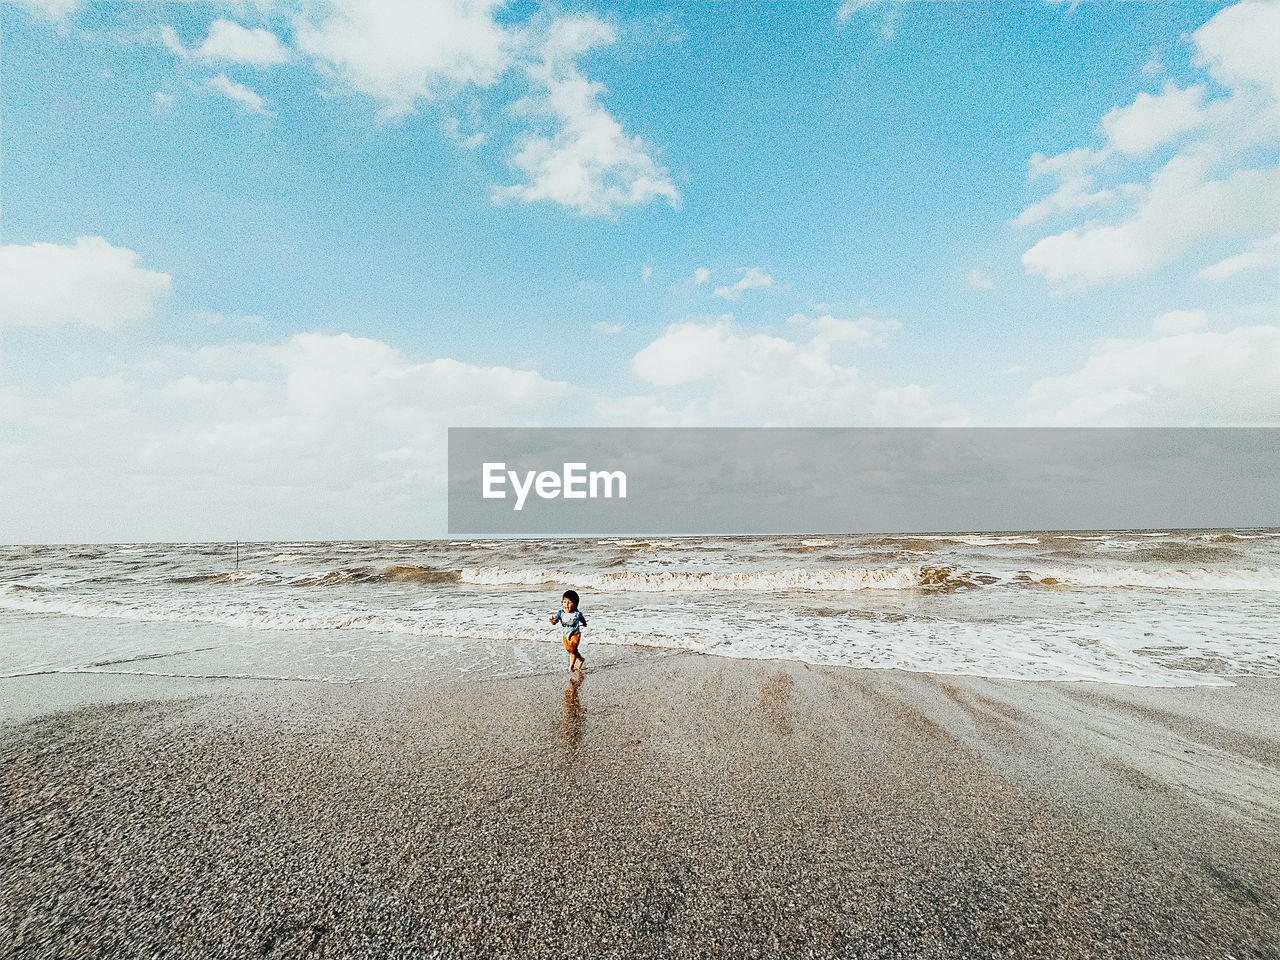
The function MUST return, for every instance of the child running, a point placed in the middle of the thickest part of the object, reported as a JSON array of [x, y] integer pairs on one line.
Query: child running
[[571, 623]]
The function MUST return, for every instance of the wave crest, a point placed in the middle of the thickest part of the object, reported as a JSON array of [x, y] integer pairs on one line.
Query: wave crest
[[1263, 578], [850, 578]]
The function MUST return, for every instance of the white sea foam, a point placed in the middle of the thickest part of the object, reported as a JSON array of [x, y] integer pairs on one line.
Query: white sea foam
[[1262, 579], [977, 540], [396, 610], [852, 578], [415, 623]]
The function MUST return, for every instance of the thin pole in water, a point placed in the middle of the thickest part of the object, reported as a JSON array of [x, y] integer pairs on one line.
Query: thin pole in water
[[237, 556]]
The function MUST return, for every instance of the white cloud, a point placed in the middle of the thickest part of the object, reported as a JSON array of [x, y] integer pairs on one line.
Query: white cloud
[[321, 435], [89, 282], [716, 373], [980, 280], [1073, 193], [53, 9], [1263, 254], [1238, 46], [826, 330], [452, 127], [646, 272], [846, 10], [608, 329], [237, 92], [701, 275], [1179, 321], [163, 99], [753, 278], [229, 41], [1222, 183], [1153, 120], [213, 318], [888, 23], [589, 164], [1075, 190], [1193, 378], [401, 53], [1179, 209]]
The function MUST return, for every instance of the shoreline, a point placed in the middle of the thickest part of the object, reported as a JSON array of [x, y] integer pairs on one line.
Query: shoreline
[[33, 696], [679, 806]]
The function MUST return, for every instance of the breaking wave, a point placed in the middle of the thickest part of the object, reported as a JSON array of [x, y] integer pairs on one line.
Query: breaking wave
[[1265, 578], [853, 578], [404, 573]]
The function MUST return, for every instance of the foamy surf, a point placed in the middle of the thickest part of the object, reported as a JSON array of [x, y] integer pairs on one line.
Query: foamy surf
[[1176, 608], [766, 581], [1264, 579]]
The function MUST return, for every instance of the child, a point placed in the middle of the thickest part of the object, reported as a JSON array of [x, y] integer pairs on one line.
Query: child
[[571, 623]]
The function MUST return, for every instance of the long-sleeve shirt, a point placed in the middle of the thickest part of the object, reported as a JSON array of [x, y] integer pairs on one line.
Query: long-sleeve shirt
[[570, 623]]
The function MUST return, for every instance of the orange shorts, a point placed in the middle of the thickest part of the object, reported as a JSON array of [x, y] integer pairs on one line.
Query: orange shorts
[[571, 642]]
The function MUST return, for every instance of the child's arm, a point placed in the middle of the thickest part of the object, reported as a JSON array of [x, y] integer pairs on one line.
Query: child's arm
[[555, 617]]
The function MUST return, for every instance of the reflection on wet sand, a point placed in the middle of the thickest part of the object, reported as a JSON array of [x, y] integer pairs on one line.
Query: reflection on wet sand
[[571, 720]]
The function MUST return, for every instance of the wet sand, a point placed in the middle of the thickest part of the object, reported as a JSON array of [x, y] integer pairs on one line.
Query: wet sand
[[681, 806]]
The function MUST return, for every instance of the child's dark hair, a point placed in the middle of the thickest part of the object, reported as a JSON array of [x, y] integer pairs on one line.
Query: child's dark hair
[[570, 595]]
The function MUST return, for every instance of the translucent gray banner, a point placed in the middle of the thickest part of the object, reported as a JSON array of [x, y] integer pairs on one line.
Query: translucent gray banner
[[728, 481]]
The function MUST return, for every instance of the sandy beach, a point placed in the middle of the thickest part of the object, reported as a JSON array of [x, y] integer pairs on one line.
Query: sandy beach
[[680, 806]]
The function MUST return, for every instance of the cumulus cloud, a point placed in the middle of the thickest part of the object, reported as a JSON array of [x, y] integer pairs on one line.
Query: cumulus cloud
[[575, 154], [1179, 321], [88, 281], [229, 41], [1152, 120], [753, 278], [1181, 376], [1181, 208], [1262, 254], [1073, 171], [590, 163], [715, 372], [306, 436], [701, 275], [237, 93], [401, 53], [1238, 47], [1221, 182], [825, 329]]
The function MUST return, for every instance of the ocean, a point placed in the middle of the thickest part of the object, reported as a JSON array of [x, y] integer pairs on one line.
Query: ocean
[[1153, 608]]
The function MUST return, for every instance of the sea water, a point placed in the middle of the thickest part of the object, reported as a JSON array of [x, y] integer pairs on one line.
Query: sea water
[[1162, 608]]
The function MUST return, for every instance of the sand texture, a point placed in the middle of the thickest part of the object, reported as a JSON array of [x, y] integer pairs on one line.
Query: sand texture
[[678, 807]]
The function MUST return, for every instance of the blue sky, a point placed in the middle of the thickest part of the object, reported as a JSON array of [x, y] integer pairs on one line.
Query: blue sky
[[258, 256]]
